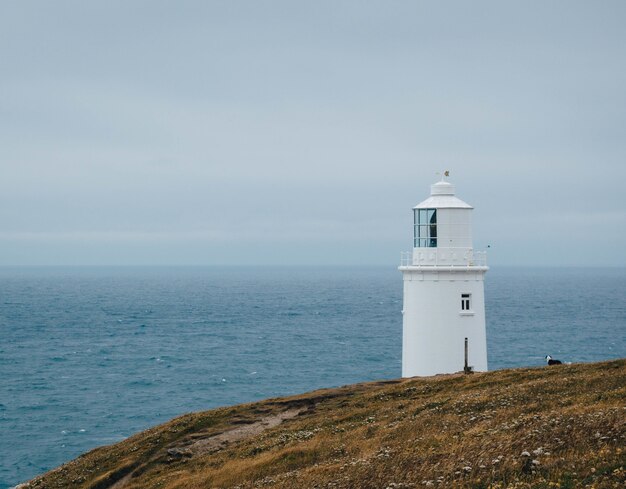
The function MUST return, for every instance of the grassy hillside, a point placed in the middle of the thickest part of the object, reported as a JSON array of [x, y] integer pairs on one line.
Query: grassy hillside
[[552, 427]]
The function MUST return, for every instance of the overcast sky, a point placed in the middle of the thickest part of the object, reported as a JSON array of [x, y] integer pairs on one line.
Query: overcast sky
[[271, 132]]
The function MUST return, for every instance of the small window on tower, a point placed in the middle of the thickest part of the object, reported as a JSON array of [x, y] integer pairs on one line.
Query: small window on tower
[[466, 302]]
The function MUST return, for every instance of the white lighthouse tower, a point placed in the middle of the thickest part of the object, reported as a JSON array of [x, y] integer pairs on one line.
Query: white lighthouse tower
[[444, 304]]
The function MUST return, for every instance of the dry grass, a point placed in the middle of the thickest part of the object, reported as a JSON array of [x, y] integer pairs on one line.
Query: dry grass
[[557, 427]]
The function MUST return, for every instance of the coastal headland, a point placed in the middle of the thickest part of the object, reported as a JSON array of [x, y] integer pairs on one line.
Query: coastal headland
[[552, 427]]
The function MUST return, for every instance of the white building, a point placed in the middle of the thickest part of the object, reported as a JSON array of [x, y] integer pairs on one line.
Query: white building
[[443, 289]]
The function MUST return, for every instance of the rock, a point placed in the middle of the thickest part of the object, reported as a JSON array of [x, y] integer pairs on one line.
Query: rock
[[179, 452]]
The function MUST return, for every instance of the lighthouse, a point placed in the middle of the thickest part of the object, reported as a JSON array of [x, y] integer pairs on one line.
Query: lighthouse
[[443, 323]]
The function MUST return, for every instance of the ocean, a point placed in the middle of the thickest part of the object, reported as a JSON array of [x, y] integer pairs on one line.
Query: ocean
[[89, 356]]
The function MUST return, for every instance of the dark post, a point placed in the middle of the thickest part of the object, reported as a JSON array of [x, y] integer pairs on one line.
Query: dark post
[[467, 369]]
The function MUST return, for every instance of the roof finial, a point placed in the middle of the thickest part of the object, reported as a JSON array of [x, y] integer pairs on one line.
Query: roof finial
[[446, 173]]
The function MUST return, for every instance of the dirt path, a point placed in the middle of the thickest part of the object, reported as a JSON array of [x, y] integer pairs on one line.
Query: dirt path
[[217, 442], [214, 443]]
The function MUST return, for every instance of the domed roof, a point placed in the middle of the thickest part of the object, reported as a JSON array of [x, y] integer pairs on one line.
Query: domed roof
[[442, 188], [442, 196]]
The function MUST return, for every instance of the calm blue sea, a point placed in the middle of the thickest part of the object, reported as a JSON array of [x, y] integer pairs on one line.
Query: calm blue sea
[[89, 356]]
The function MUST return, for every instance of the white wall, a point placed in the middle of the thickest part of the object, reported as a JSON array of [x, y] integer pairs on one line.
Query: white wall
[[434, 328], [454, 228]]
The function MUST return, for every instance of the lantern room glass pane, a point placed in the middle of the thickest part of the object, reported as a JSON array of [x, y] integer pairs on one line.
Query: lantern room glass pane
[[432, 219], [425, 228]]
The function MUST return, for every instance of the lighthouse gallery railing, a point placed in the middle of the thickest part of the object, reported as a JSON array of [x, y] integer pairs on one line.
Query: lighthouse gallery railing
[[433, 258]]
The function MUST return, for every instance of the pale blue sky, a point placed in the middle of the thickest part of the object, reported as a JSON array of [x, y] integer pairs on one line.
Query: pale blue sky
[[247, 132]]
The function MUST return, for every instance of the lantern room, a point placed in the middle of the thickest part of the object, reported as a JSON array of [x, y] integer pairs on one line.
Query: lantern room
[[442, 227]]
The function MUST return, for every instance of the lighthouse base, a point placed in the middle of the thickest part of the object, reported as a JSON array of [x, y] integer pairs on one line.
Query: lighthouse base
[[442, 308]]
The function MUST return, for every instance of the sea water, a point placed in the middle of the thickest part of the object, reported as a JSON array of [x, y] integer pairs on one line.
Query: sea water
[[89, 356]]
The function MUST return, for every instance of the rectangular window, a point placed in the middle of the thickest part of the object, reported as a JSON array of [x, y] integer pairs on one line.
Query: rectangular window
[[466, 302], [425, 228]]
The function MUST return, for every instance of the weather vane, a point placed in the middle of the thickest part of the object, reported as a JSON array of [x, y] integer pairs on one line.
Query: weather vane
[[446, 173]]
